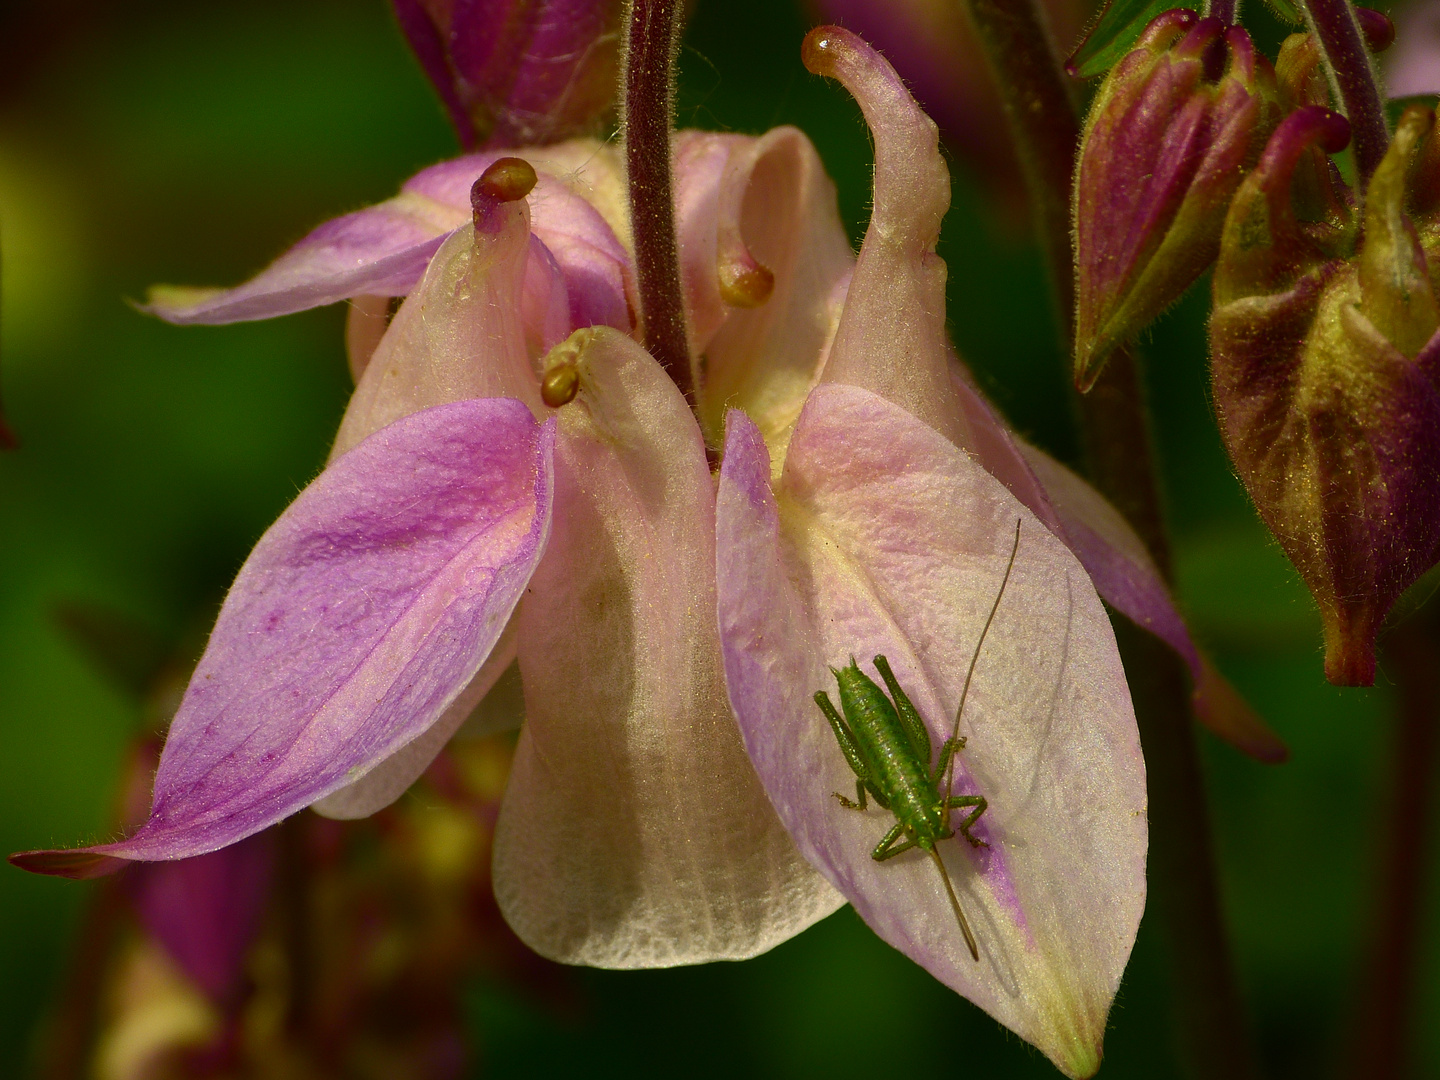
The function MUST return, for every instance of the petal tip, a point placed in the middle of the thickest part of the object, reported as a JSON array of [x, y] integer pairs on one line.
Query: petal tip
[[76, 865]]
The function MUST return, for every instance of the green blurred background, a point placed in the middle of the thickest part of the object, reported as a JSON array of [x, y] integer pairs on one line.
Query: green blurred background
[[181, 142]]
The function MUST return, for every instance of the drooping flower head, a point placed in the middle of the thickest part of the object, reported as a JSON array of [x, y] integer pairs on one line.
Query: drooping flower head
[[517, 481]]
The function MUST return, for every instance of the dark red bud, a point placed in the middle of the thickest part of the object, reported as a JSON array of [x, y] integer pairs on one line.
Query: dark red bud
[[1171, 133], [1325, 341], [1377, 28]]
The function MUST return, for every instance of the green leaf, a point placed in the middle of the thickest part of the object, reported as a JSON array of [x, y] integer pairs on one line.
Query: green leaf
[[1115, 33], [1286, 10]]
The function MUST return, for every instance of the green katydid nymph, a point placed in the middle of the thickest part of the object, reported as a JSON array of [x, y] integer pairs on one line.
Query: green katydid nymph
[[887, 746]]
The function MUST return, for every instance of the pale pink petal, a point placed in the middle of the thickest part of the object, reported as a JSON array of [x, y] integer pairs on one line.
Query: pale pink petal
[[700, 162], [1117, 561], [458, 335], [891, 339], [365, 326], [360, 616], [634, 832], [775, 208], [390, 779], [384, 249], [885, 539]]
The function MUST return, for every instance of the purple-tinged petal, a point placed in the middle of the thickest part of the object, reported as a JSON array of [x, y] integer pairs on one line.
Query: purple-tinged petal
[[775, 263], [206, 910], [891, 338], [1115, 558], [360, 616], [517, 71], [383, 250], [885, 539], [390, 779], [459, 335], [634, 833]]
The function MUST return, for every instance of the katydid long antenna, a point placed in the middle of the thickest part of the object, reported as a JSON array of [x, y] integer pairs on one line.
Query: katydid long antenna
[[955, 903], [965, 692]]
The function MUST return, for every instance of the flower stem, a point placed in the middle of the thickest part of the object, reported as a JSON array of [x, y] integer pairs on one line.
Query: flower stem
[[1115, 428], [1386, 997], [1353, 79], [652, 39], [1224, 10]]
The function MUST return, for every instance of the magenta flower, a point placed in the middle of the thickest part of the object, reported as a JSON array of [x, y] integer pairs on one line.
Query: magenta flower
[[517, 480], [517, 71]]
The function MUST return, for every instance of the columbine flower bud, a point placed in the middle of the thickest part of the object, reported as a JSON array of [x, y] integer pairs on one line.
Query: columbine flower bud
[[1327, 376], [1172, 132], [517, 72]]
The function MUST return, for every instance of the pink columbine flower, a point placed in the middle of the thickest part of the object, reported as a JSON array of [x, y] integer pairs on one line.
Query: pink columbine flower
[[517, 480]]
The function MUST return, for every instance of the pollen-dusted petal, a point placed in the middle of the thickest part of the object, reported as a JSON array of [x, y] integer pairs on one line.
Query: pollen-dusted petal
[[776, 208], [360, 616], [634, 832], [383, 250], [459, 335], [885, 539], [891, 339]]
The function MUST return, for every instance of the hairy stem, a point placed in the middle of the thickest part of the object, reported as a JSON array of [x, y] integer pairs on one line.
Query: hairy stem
[[648, 102], [1387, 992], [1224, 10], [1114, 421], [1353, 79]]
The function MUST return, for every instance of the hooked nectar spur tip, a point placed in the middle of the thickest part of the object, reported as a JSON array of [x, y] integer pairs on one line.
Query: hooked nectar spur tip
[[506, 180], [819, 50], [744, 286], [560, 385]]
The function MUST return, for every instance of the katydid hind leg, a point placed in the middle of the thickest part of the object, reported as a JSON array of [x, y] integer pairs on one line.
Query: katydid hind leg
[[844, 736], [859, 803], [889, 847], [905, 709]]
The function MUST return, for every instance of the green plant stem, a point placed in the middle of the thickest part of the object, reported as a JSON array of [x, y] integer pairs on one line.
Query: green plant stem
[[1114, 423]]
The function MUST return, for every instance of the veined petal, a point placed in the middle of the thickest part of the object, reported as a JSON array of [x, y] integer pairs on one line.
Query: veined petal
[[392, 777], [1118, 564], [775, 270], [885, 539], [891, 339], [358, 619], [459, 335], [634, 832], [383, 250]]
